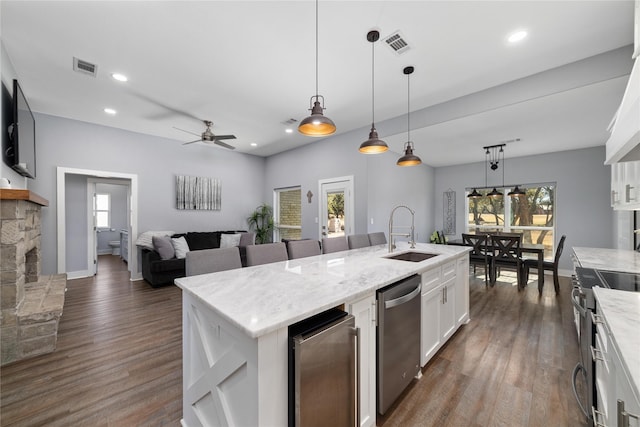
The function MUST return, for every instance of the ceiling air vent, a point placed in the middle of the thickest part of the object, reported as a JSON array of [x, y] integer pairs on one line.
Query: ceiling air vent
[[84, 67], [397, 42]]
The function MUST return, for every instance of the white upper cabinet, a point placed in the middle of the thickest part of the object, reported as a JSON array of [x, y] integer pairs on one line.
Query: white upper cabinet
[[625, 185]]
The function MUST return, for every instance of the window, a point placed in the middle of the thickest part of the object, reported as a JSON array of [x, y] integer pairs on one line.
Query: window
[[288, 213], [531, 214], [102, 210]]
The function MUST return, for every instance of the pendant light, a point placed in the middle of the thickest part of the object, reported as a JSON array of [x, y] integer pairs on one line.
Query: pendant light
[[516, 192], [409, 159], [493, 157], [373, 145], [316, 124]]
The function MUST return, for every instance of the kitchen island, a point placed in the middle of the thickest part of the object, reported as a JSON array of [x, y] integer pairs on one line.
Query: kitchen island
[[235, 326]]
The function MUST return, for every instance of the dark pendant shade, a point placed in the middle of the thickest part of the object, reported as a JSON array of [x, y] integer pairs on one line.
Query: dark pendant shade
[[495, 193], [409, 159], [373, 145], [474, 194], [517, 192], [317, 124]]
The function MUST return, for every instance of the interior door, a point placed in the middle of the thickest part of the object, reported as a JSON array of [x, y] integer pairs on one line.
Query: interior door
[[336, 207]]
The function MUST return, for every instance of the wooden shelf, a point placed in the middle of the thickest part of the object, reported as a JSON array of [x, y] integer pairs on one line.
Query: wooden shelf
[[14, 194]]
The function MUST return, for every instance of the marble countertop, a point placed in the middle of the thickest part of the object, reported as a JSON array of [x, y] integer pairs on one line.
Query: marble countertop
[[608, 259], [621, 312], [264, 298]]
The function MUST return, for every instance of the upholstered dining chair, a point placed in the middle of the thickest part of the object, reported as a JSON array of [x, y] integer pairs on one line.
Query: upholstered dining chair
[[303, 248], [507, 255], [334, 244], [266, 253], [546, 265], [357, 241], [212, 260], [377, 238], [479, 254]]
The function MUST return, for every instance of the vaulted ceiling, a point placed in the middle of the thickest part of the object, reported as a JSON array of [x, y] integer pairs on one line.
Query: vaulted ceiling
[[249, 66]]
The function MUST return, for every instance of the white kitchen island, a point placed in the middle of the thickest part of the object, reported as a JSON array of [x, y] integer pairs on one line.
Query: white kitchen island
[[235, 326]]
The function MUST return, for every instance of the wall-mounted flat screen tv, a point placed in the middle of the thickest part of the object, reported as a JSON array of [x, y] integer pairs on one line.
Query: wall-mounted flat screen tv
[[20, 152]]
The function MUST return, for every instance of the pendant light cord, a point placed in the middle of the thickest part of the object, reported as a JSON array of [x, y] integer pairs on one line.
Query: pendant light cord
[[409, 111], [373, 89], [316, 50]]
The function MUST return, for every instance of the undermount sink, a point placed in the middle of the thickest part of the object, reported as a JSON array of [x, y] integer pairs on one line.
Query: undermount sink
[[412, 256]]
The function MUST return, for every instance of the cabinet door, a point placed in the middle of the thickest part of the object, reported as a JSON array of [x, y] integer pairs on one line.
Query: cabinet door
[[462, 290], [448, 322], [364, 311], [624, 396], [430, 337]]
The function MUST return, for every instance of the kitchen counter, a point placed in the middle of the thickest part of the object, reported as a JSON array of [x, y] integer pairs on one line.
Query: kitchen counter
[[608, 259], [621, 313], [264, 298], [236, 336]]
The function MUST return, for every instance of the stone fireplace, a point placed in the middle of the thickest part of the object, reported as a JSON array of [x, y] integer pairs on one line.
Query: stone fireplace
[[31, 304]]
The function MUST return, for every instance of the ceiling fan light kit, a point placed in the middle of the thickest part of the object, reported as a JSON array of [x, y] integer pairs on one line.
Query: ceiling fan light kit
[[374, 144], [408, 159], [317, 124]]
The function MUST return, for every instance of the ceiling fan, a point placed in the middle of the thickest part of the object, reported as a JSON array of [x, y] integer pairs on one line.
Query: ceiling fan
[[208, 136]]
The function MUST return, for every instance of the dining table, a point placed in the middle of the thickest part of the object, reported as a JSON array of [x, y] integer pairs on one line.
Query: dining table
[[532, 248]]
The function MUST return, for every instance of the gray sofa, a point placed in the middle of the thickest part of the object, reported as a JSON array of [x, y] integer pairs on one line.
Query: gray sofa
[[161, 272]]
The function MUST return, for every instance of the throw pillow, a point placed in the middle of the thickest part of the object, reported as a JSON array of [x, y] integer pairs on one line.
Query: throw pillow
[[164, 246], [229, 240], [145, 239], [181, 247]]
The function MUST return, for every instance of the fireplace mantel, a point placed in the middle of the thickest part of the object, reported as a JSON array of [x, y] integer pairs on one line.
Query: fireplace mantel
[[15, 194]]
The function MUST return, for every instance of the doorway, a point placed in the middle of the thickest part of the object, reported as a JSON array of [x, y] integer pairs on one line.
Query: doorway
[[336, 207], [79, 263], [108, 219]]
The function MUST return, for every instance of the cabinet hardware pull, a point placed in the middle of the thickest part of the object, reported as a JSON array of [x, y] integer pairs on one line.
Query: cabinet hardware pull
[[627, 193]]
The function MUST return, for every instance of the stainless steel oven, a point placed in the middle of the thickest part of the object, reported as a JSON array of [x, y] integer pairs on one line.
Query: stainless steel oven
[[585, 309]]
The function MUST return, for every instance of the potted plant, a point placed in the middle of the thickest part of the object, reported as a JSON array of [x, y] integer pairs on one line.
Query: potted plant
[[261, 220]]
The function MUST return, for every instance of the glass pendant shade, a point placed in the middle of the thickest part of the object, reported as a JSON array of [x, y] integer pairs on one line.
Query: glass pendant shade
[[474, 194], [409, 159], [373, 145], [494, 193], [516, 192], [317, 124]]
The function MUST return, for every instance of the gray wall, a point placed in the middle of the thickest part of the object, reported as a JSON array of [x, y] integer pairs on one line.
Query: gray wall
[[156, 161], [378, 183], [583, 191], [76, 223]]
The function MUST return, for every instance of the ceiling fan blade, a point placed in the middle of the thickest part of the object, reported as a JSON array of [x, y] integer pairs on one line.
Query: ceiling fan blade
[[163, 105], [225, 137], [222, 144], [192, 133], [191, 142]]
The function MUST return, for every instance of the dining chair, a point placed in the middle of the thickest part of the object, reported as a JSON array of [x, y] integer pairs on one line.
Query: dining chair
[[212, 260], [377, 238], [507, 255], [357, 241], [546, 265], [302, 248], [334, 244], [266, 253], [479, 254]]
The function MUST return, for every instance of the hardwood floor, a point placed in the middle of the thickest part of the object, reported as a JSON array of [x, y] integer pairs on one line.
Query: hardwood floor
[[119, 362]]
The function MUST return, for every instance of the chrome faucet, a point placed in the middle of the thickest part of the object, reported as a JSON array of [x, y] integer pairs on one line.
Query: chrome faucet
[[392, 244]]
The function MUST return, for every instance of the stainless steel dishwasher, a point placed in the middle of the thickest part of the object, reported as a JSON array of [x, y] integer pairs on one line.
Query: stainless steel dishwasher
[[398, 348]]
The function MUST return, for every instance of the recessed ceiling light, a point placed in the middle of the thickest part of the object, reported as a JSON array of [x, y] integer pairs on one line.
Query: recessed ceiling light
[[119, 77], [288, 130], [253, 144], [517, 36], [110, 111]]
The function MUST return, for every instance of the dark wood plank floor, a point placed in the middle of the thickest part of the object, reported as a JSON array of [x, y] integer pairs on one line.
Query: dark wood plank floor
[[119, 363]]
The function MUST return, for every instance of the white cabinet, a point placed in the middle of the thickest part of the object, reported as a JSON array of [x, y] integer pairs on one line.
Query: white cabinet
[[617, 403], [364, 312], [625, 185], [438, 319], [462, 290]]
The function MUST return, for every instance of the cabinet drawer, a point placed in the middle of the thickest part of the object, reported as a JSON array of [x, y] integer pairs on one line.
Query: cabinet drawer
[[449, 270], [431, 279]]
